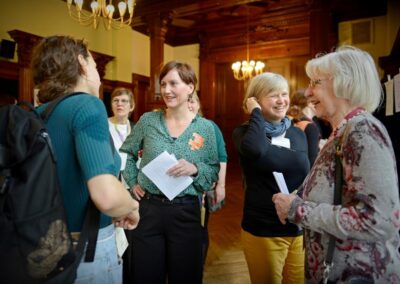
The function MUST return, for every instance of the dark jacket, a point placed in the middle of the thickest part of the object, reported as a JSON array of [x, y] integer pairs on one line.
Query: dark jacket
[[258, 159]]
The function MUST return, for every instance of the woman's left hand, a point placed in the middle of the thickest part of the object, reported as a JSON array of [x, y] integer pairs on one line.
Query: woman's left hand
[[282, 205], [183, 168]]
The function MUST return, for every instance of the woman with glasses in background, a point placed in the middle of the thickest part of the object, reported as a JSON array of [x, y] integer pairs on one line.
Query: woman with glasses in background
[[122, 105]]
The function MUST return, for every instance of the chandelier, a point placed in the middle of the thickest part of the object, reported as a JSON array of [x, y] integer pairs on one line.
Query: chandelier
[[247, 68], [102, 10]]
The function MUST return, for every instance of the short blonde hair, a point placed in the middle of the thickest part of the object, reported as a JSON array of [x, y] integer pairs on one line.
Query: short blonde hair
[[354, 76], [195, 97], [264, 84]]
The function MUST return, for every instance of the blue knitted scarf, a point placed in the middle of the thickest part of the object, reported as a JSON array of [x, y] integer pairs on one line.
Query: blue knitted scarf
[[274, 130]]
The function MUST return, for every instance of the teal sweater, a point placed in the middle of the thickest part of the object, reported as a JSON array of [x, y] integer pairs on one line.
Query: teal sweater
[[79, 132], [222, 155], [151, 135]]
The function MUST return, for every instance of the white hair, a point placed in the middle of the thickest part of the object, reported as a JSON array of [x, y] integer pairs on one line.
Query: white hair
[[354, 76]]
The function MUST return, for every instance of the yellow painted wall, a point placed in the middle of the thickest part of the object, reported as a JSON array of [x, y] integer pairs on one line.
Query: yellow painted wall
[[189, 54], [186, 53], [384, 32], [48, 17], [132, 49]]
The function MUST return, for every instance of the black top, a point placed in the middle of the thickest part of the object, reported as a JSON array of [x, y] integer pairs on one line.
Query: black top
[[313, 136], [258, 159]]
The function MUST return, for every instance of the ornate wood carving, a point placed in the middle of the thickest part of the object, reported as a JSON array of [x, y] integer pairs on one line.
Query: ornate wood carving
[[101, 61], [158, 29], [141, 86], [25, 44], [9, 70]]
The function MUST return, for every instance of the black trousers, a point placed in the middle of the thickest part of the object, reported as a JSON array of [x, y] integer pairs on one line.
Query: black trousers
[[167, 244], [206, 240]]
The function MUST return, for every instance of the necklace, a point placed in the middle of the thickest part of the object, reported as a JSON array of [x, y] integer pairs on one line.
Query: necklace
[[122, 134]]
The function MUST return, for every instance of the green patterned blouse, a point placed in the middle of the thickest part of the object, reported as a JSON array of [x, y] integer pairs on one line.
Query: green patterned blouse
[[197, 145]]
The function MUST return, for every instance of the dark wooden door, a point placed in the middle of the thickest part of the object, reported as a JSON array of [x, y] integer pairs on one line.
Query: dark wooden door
[[229, 113]]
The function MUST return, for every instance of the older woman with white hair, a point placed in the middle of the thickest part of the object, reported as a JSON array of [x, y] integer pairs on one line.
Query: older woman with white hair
[[357, 163]]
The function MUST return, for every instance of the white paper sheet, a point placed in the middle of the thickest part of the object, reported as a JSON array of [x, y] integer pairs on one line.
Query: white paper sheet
[[389, 97], [281, 141], [280, 180], [156, 172], [396, 80]]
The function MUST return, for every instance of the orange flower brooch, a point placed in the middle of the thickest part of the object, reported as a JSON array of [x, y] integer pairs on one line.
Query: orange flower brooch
[[197, 142]]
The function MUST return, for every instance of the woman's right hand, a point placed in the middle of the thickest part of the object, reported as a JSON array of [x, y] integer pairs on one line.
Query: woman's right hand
[[138, 192], [252, 103], [129, 221]]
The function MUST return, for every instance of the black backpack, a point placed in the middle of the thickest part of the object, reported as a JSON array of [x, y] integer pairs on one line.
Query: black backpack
[[35, 244]]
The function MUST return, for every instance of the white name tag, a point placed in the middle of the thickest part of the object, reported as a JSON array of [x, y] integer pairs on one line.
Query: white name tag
[[281, 141], [122, 242]]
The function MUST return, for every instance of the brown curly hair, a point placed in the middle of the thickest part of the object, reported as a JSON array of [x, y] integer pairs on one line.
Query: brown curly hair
[[55, 66]]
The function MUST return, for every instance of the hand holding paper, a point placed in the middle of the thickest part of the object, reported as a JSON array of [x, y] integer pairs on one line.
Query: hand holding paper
[[157, 170]]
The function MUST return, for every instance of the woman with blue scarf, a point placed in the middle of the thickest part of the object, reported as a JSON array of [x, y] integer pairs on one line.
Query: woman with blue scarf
[[269, 143]]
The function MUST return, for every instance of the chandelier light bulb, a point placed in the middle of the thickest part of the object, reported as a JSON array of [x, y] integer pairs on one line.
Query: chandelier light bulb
[[122, 8], [101, 11], [79, 4], [247, 69], [94, 5]]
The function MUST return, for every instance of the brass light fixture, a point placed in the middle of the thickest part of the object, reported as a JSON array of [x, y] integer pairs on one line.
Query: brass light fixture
[[243, 70], [102, 10]]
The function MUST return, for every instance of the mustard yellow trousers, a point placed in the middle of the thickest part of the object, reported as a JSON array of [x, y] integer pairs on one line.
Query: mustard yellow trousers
[[274, 260]]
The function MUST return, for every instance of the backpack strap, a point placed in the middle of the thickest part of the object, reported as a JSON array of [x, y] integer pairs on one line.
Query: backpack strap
[[89, 232]]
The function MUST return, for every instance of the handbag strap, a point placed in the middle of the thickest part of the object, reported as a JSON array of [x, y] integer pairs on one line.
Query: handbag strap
[[337, 199]]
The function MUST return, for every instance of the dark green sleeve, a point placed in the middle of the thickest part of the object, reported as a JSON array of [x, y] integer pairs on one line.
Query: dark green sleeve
[[222, 155]]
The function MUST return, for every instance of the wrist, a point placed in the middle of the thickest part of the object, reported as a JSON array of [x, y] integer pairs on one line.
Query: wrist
[[195, 171]]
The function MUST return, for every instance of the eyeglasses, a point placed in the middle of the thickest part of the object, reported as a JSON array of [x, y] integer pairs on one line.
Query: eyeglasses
[[116, 101], [315, 82]]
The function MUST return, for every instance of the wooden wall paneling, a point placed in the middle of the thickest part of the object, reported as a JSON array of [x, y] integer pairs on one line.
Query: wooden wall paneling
[[9, 73], [25, 44], [298, 79], [280, 66], [262, 51], [141, 86], [319, 27], [207, 87], [8, 70], [229, 113], [158, 29]]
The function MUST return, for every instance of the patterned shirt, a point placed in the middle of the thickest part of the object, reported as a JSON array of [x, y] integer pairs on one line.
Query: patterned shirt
[[367, 225], [197, 145]]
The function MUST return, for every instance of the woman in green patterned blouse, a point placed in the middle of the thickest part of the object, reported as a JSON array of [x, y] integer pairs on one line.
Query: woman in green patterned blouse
[[167, 243]]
